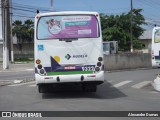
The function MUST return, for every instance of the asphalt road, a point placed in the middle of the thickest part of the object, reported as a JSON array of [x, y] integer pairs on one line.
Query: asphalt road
[[122, 91]]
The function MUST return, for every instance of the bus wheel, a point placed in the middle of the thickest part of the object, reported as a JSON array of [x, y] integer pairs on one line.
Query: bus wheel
[[42, 89], [89, 88]]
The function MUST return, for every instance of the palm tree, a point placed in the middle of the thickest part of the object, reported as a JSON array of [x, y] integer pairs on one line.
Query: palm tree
[[23, 32], [29, 30], [17, 30]]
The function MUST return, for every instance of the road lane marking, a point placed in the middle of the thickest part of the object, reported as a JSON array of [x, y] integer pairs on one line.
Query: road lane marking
[[154, 92], [30, 69], [22, 84], [109, 81], [141, 84], [121, 83], [34, 85]]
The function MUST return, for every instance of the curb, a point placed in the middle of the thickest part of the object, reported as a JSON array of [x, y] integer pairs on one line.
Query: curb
[[25, 62], [122, 70], [5, 83], [11, 82]]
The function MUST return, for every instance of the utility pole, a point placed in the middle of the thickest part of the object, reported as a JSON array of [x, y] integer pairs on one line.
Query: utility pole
[[5, 34], [51, 5], [11, 36], [1, 38], [131, 39]]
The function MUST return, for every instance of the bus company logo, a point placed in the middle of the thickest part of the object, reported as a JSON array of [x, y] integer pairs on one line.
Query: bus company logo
[[80, 56], [68, 56]]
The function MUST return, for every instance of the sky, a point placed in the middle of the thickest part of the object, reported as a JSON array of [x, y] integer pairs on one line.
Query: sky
[[26, 9]]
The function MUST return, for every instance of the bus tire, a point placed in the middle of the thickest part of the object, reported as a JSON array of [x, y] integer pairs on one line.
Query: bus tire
[[89, 88], [42, 89]]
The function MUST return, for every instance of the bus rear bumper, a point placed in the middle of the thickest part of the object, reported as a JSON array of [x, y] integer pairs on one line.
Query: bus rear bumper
[[97, 78]]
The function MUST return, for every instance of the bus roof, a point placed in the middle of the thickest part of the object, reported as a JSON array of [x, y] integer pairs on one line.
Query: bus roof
[[157, 27], [67, 12]]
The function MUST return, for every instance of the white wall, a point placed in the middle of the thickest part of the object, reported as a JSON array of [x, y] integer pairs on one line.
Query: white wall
[[127, 61]]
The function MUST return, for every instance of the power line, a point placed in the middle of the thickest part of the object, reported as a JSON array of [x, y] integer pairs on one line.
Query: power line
[[17, 6], [31, 7], [22, 16], [22, 9]]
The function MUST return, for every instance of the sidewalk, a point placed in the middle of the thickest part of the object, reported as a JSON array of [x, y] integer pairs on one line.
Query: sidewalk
[[18, 67]]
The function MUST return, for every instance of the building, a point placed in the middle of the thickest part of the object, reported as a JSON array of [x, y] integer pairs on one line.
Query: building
[[146, 38]]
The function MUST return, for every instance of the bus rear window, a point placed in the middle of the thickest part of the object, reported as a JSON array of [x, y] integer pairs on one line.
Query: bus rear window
[[72, 26]]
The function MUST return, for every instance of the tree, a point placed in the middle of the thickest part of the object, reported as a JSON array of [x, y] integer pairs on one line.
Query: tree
[[23, 31], [17, 28], [29, 30], [118, 28]]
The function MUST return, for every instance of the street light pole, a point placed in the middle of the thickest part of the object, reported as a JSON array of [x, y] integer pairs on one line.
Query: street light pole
[[131, 39]]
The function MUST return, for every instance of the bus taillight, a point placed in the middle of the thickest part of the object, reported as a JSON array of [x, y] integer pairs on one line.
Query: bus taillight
[[38, 61]]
